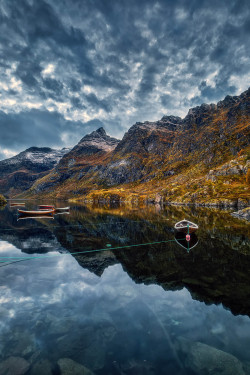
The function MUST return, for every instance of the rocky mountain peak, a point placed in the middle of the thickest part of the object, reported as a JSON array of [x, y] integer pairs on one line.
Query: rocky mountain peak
[[101, 131], [228, 101], [199, 110], [38, 149], [97, 141], [171, 119]]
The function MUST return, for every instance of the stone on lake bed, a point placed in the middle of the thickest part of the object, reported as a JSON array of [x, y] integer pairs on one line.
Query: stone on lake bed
[[243, 214], [42, 367], [204, 359], [69, 367], [14, 366]]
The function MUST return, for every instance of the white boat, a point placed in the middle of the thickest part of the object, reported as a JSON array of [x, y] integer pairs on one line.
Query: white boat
[[186, 226], [61, 208]]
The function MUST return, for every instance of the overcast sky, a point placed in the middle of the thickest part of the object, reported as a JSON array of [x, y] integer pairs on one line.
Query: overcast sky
[[69, 66]]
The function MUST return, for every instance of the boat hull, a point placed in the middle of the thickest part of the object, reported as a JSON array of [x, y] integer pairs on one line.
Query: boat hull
[[186, 226], [35, 213]]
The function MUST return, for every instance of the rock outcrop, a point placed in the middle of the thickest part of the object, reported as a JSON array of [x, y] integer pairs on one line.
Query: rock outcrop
[[243, 214], [14, 366], [69, 367], [205, 359]]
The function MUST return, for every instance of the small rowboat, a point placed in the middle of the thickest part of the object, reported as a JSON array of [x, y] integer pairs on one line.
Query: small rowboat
[[61, 209], [35, 213], [17, 204], [186, 226]]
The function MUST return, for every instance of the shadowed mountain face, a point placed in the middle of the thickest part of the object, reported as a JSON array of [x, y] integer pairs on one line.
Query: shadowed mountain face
[[19, 172], [176, 158], [216, 270]]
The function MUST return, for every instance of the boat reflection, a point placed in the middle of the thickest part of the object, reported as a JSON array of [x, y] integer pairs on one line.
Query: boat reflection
[[22, 217], [180, 238]]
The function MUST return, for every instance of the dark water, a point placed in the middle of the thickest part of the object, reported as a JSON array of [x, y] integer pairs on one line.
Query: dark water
[[147, 309]]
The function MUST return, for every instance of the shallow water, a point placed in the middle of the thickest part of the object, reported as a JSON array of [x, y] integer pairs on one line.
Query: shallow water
[[148, 309]]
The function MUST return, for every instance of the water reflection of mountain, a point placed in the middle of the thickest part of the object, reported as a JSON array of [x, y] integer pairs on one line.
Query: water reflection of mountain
[[29, 236], [215, 271], [212, 273]]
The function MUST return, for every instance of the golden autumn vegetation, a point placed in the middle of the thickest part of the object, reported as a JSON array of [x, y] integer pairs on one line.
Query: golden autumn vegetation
[[3, 201]]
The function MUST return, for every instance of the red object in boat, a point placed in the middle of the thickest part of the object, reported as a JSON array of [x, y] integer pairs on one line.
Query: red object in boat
[[187, 237]]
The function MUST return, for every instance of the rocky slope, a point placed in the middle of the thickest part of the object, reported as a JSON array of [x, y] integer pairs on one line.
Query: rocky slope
[[78, 165], [19, 172], [201, 158]]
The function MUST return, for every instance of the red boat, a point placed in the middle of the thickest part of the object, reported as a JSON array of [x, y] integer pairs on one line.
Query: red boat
[[32, 213]]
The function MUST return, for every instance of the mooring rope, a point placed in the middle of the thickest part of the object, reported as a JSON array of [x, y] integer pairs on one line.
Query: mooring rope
[[5, 259]]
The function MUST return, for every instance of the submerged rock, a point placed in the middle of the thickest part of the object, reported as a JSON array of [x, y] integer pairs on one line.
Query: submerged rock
[[134, 367], [69, 367], [243, 214], [14, 366], [205, 360], [42, 367], [20, 344]]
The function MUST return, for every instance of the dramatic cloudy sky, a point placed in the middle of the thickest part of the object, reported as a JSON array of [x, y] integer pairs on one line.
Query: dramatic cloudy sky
[[69, 66]]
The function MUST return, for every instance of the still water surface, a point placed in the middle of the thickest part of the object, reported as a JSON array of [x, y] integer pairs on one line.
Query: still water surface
[[154, 309]]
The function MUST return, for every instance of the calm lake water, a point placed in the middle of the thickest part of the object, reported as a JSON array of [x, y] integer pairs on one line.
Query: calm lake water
[[149, 309]]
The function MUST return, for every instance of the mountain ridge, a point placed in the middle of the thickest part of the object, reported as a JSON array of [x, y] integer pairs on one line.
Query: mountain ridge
[[19, 172], [171, 158]]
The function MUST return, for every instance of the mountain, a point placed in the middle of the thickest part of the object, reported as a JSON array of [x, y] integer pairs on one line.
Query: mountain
[[201, 158], [86, 158], [18, 173]]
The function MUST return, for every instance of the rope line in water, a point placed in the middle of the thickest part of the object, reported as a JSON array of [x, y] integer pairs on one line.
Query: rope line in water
[[83, 252]]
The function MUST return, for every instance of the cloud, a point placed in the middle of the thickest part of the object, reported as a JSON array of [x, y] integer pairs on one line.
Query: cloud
[[119, 61], [40, 128]]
